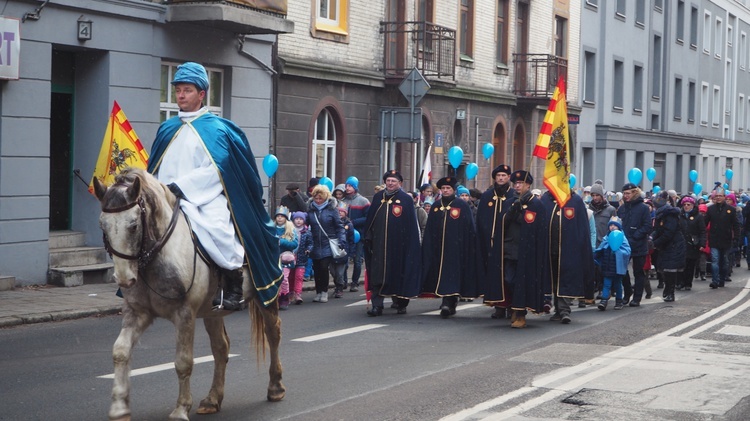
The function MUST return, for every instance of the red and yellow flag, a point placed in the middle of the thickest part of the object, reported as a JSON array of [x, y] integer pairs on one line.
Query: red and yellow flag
[[121, 148], [553, 145]]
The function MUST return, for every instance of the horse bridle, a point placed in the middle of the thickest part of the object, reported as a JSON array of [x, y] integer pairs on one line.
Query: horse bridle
[[144, 256]]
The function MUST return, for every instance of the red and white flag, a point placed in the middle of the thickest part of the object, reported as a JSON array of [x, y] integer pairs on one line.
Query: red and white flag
[[426, 168]]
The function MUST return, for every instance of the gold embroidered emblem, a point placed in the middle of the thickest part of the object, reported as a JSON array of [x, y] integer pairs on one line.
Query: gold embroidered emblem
[[397, 210], [455, 213], [491, 204], [570, 213], [529, 216]]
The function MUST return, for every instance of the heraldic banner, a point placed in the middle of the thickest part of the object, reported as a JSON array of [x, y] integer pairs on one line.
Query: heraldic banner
[[121, 148], [553, 145]]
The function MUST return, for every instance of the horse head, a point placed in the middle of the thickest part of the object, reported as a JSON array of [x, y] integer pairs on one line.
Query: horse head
[[132, 218]]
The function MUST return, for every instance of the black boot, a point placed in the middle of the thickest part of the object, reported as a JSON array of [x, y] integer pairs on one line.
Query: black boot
[[233, 298]]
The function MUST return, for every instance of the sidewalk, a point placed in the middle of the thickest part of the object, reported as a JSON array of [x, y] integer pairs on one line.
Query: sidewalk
[[46, 303]]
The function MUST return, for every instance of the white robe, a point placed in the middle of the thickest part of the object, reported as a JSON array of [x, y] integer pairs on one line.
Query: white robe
[[188, 164]]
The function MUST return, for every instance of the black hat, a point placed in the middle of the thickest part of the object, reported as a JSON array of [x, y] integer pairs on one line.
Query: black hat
[[629, 186], [660, 199], [313, 182], [522, 175], [501, 168], [292, 187], [394, 174], [447, 181]]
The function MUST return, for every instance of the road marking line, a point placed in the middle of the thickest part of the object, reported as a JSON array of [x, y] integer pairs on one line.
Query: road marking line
[[162, 367], [336, 333], [602, 365], [735, 330]]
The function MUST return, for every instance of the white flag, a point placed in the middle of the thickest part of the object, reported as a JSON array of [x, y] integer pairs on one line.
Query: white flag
[[426, 168]]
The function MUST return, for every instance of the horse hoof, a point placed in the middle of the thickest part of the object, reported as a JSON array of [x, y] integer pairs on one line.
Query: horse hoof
[[277, 395], [208, 408]]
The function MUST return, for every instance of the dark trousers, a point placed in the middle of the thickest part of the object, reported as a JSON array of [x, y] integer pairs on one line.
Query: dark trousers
[[357, 261], [669, 281], [687, 274], [320, 269], [639, 277]]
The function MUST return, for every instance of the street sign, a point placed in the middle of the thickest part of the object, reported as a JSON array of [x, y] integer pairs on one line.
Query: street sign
[[401, 124], [414, 87]]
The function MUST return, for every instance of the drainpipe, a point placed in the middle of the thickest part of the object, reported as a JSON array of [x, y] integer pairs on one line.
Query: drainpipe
[[476, 146]]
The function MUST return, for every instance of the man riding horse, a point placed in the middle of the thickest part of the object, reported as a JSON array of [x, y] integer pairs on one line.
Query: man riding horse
[[207, 162]]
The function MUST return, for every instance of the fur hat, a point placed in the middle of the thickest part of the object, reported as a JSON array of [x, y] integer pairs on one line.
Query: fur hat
[[447, 181], [393, 173], [501, 168]]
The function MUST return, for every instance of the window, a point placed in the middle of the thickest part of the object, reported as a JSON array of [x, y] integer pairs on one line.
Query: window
[[618, 85], [168, 104], [656, 75], [589, 77], [501, 43], [691, 102], [693, 27], [707, 33], [467, 29], [637, 88], [717, 38], [716, 115], [704, 104], [730, 36], [740, 112], [658, 5], [678, 98], [743, 50], [331, 16], [593, 3], [620, 8], [561, 36], [640, 12], [324, 146], [680, 29]]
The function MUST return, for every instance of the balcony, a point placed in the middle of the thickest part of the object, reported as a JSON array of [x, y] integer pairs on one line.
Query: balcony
[[428, 47], [536, 75], [237, 16]]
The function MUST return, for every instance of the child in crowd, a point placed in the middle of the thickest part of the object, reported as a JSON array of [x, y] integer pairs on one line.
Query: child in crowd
[[613, 264], [338, 266], [287, 244], [301, 255]]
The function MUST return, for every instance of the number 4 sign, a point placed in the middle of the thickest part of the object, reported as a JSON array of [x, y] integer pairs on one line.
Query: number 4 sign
[[10, 47]]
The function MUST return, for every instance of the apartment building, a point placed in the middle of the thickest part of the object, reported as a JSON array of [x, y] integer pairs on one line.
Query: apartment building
[[64, 63], [664, 85], [491, 66]]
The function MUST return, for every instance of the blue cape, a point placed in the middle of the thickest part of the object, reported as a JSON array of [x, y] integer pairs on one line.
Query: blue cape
[[231, 153]]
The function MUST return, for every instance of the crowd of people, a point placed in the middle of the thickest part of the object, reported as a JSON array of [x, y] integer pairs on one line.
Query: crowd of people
[[511, 245]]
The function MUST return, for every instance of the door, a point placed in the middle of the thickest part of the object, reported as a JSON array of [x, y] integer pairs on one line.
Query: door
[[61, 145]]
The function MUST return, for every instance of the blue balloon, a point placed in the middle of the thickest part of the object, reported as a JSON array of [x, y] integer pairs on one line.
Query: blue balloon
[[657, 189], [472, 170], [488, 150], [326, 182], [651, 174], [729, 173], [455, 156], [615, 239], [356, 236], [726, 186], [572, 180], [635, 176], [693, 175], [270, 165], [697, 188]]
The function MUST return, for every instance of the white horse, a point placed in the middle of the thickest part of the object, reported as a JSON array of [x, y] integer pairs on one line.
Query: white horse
[[161, 274]]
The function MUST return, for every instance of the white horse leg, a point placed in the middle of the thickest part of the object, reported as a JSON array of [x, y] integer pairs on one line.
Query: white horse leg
[[132, 327], [269, 317], [220, 349], [183, 363]]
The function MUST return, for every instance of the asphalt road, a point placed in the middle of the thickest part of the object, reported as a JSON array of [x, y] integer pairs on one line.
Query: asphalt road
[[411, 367]]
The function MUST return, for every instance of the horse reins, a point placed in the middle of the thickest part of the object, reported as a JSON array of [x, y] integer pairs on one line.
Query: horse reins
[[144, 256]]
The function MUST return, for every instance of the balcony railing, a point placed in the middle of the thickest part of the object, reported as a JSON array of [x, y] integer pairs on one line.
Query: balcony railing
[[536, 75], [428, 47]]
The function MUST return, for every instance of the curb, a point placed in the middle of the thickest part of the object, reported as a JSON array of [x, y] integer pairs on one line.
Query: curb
[[58, 316]]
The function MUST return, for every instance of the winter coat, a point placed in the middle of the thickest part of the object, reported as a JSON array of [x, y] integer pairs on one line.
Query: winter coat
[[328, 218], [602, 214], [305, 246], [669, 240], [636, 225], [694, 228], [351, 248], [286, 244], [612, 262], [725, 227], [358, 208]]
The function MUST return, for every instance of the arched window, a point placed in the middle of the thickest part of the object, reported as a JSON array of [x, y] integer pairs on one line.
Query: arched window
[[324, 146], [499, 142]]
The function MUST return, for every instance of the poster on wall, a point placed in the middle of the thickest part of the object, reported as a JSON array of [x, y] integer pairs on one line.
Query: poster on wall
[[10, 47]]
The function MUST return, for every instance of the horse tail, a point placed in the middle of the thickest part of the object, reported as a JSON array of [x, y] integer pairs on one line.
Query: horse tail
[[258, 332]]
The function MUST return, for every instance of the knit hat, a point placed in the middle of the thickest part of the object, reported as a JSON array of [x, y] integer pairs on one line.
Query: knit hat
[[299, 214], [629, 186], [587, 189], [341, 188], [703, 208], [597, 189], [462, 190], [687, 199], [616, 222], [353, 181], [660, 200], [343, 207]]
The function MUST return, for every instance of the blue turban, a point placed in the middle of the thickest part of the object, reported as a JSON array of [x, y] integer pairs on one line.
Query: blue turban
[[191, 73]]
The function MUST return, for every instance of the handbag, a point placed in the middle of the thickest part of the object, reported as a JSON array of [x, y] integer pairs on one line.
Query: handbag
[[336, 251], [287, 258]]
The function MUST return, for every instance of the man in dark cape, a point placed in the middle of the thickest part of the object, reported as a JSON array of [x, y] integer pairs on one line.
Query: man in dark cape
[[448, 250], [493, 205], [392, 247], [571, 268], [237, 188], [526, 226]]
